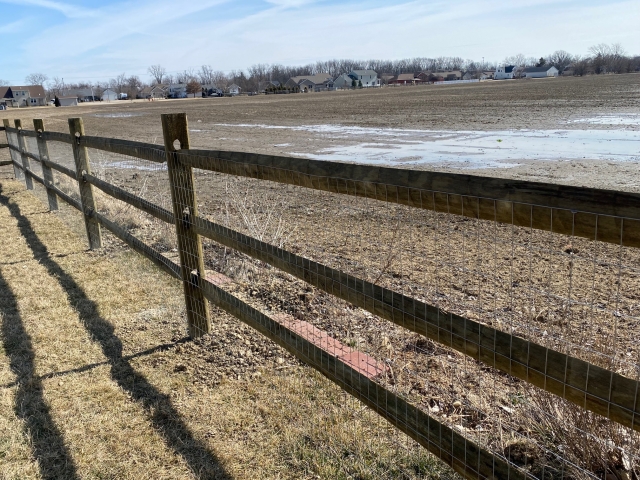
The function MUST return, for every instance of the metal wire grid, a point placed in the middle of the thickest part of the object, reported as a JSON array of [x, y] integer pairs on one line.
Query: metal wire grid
[[145, 179], [480, 269], [368, 231]]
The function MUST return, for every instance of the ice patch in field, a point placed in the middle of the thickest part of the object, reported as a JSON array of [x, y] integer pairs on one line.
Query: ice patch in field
[[466, 149], [117, 115], [283, 144], [492, 149], [617, 119]]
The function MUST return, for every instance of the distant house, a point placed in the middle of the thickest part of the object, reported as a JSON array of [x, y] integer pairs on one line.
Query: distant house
[[27, 96], [385, 78], [343, 81], [71, 101], [177, 90], [268, 85], [423, 77], [311, 83], [505, 72], [451, 75], [82, 94], [109, 95], [369, 78], [539, 72], [234, 89], [403, 79], [154, 91]]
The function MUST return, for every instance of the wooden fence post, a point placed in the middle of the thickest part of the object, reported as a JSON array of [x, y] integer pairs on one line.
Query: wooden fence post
[[43, 153], [183, 196], [17, 173], [22, 145], [81, 157]]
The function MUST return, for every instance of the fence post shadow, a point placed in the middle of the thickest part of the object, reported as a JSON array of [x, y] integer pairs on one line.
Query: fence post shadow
[[162, 415], [47, 442]]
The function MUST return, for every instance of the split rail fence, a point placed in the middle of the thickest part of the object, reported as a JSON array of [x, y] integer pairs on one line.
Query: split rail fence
[[596, 215]]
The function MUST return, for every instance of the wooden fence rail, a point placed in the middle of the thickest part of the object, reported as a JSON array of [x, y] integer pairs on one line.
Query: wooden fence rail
[[592, 213]]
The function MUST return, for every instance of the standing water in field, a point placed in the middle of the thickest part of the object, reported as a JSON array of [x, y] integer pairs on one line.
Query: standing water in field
[[463, 149]]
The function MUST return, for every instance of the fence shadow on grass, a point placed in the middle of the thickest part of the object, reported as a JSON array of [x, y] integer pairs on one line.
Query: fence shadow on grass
[[48, 446], [161, 412]]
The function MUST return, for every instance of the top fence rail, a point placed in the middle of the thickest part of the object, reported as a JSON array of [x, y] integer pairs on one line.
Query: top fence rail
[[596, 214]]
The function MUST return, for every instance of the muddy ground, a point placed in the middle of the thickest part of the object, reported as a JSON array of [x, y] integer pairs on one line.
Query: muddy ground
[[540, 104]]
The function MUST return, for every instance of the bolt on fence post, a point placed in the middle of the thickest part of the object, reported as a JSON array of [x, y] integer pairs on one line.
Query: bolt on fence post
[[22, 145], [43, 152], [183, 198], [81, 157]]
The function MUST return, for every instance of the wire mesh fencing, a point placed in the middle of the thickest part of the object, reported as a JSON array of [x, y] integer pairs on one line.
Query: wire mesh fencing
[[498, 335]]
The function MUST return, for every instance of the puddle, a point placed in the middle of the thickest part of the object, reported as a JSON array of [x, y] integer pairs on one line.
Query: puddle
[[134, 165], [617, 119], [465, 149], [117, 115], [500, 149]]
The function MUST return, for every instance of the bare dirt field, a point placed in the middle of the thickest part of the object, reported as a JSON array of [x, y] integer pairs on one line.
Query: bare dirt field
[[546, 105], [574, 295]]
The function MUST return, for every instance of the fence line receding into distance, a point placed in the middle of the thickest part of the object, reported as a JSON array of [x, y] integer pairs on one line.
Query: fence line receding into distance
[[432, 223]]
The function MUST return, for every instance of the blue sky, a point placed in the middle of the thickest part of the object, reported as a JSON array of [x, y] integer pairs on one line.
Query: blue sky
[[97, 40]]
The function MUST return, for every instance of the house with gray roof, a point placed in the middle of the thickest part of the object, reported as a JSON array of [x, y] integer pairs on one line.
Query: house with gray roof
[[311, 83], [342, 82], [369, 78], [540, 72]]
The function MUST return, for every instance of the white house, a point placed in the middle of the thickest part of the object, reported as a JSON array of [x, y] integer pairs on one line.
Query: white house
[[109, 95], [234, 89], [71, 101], [369, 78], [540, 72], [178, 90], [504, 72]]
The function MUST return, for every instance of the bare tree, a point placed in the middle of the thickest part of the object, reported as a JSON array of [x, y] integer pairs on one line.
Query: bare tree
[[581, 65], [3, 82], [518, 60], [220, 80], [36, 79], [133, 86], [186, 76], [206, 75], [56, 86], [157, 72], [560, 59]]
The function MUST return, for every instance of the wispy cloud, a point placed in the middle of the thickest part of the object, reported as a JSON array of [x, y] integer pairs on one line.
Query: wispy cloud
[[68, 10], [13, 27], [229, 35]]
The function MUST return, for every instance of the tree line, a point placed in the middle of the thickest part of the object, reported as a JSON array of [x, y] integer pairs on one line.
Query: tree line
[[601, 58]]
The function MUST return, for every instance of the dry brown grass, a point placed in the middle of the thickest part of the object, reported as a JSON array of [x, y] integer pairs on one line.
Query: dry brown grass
[[95, 381]]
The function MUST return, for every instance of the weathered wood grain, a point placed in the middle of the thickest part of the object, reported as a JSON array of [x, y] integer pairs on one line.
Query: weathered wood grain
[[145, 151], [22, 150], [185, 208], [43, 154], [606, 215], [81, 157]]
